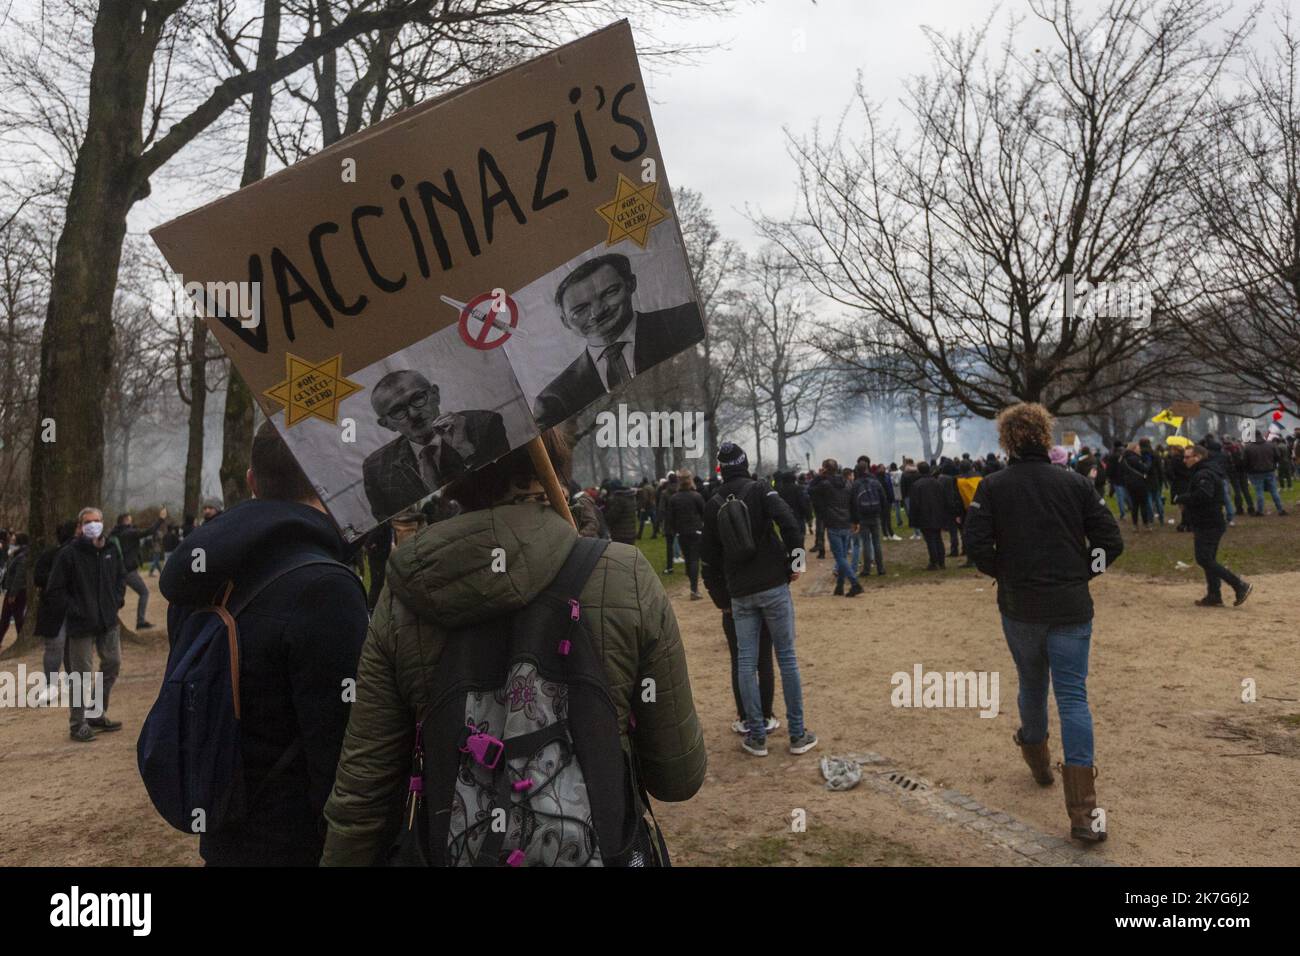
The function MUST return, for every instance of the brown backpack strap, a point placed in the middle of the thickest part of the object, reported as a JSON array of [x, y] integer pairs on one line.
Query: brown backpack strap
[[232, 638]]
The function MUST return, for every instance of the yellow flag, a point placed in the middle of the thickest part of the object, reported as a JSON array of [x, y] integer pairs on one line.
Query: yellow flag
[[1167, 418]]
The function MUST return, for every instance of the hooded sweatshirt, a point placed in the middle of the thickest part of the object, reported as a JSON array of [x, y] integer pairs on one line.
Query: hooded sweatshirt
[[443, 579], [299, 641]]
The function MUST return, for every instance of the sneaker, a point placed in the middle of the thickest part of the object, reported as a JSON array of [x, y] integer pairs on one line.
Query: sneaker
[[803, 743], [1210, 602], [143, 626], [679, 560], [754, 745], [103, 725], [894, 537], [696, 596], [739, 726], [772, 724], [668, 570], [855, 590], [1243, 593], [82, 733]]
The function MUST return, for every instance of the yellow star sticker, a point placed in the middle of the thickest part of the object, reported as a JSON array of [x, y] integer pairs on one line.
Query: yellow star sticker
[[632, 212], [312, 389]]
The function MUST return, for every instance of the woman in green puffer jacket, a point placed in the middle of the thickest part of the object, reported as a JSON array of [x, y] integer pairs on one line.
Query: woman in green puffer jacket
[[444, 578]]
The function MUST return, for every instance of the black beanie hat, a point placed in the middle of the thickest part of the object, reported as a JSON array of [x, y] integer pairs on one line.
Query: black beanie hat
[[732, 460]]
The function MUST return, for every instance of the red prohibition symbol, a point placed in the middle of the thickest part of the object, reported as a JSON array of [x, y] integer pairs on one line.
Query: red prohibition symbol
[[483, 340]]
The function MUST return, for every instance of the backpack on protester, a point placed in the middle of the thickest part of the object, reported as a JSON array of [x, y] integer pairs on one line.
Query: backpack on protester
[[735, 530], [870, 499], [189, 752], [517, 761]]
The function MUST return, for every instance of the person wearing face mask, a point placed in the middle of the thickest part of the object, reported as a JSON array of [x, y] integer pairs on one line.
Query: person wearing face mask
[[84, 592], [595, 303]]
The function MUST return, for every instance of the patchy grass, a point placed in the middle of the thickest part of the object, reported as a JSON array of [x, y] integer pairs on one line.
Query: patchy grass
[[654, 550]]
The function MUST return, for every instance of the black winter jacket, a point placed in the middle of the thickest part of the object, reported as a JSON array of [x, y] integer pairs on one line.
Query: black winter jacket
[[931, 507], [85, 587], [686, 511], [1204, 499], [128, 540], [621, 514], [830, 496], [300, 641], [771, 566], [1259, 457], [1034, 527]]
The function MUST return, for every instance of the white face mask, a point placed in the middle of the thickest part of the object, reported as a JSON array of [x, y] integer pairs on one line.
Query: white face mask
[[92, 529]]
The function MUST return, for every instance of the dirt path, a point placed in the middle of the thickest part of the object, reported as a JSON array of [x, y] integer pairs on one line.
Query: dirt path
[[1165, 690]]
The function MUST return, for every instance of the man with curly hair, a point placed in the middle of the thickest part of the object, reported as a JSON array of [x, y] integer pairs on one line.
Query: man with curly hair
[[1044, 532]]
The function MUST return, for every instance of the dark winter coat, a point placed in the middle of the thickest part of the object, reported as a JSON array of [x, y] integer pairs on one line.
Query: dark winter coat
[[128, 542], [1204, 499], [686, 509], [84, 587], [830, 498], [1034, 527], [772, 564], [621, 515], [300, 640], [930, 508]]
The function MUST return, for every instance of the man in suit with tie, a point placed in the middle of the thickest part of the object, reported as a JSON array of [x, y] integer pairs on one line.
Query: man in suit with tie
[[431, 448], [595, 302]]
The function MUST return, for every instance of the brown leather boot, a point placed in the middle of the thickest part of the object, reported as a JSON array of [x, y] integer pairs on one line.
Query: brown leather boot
[[1039, 759], [1080, 801]]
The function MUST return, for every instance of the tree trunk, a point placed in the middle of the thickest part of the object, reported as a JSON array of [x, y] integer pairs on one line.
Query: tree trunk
[[779, 415], [923, 410], [198, 407], [67, 468], [240, 411]]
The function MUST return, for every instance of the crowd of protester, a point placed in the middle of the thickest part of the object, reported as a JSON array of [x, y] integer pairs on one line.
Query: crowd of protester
[[326, 771]]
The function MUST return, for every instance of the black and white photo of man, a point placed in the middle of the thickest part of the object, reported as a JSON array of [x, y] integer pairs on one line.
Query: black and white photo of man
[[595, 303], [431, 448]]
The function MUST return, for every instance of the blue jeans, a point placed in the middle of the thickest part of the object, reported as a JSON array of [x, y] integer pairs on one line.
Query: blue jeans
[[749, 612], [1121, 500], [1227, 499], [1262, 483], [1156, 502], [855, 552], [840, 538], [869, 535], [1060, 650]]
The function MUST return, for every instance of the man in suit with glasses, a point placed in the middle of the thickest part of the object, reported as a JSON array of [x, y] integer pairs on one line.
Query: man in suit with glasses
[[431, 448]]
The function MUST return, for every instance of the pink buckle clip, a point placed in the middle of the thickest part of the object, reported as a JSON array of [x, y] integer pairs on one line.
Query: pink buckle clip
[[417, 784], [565, 647], [516, 858], [521, 785], [484, 748], [573, 609]]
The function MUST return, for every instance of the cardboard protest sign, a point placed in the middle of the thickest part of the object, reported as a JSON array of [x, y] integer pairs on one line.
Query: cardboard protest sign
[[430, 292], [1185, 409]]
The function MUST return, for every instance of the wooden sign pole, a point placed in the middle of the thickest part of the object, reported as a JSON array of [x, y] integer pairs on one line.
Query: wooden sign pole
[[550, 480]]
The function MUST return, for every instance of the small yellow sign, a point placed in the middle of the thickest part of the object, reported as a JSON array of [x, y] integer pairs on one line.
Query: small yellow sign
[[632, 212], [312, 389]]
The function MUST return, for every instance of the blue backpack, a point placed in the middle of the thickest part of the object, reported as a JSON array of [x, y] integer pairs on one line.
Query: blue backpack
[[189, 748]]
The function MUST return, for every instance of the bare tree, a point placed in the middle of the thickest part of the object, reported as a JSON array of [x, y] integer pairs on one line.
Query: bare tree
[[1241, 260], [148, 97], [1018, 172], [788, 376]]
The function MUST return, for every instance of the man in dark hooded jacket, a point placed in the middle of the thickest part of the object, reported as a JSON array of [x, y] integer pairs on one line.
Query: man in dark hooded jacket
[[931, 512], [1203, 508], [830, 494], [300, 640]]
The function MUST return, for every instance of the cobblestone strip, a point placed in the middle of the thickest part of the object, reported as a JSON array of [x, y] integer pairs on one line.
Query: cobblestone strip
[[1031, 846]]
